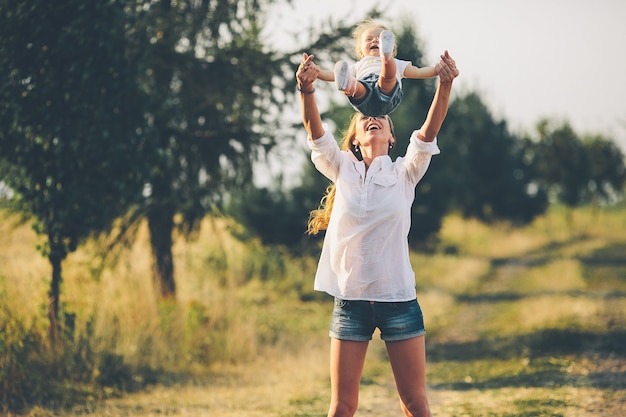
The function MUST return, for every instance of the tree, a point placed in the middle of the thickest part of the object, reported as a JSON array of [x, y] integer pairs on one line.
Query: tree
[[67, 147], [211, 95], [488, 176], [562, 162], [607, 173], [276, 214]]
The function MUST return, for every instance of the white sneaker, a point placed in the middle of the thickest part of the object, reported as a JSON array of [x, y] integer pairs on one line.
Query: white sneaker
[[387, 42], [342, 75]]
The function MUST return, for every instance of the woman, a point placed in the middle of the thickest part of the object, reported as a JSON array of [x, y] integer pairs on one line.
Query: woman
[[365, 257]]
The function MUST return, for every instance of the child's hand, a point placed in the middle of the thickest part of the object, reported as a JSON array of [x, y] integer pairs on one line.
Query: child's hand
[[307, 71], [446, 68]]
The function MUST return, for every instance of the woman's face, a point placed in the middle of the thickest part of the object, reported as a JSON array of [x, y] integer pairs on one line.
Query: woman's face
[[373, 131]]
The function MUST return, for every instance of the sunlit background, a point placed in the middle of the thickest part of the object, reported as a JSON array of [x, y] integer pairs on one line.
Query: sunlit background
[[558, 59]]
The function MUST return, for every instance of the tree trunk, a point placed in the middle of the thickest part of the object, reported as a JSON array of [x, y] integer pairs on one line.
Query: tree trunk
[[569, 217], [161, 224], [53, 296]]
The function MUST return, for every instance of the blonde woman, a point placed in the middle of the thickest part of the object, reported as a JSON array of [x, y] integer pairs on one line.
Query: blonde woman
[[373, 85], [364, 262]]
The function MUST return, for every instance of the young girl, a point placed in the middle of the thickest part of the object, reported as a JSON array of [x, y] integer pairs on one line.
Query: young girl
[[373, 85]]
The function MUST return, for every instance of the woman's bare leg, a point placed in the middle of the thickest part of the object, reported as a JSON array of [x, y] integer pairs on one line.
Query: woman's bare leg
[[408, 361], [346, 365]]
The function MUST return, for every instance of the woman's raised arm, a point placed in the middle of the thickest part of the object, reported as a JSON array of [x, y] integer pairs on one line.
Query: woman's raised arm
[[307, 74], [447, 71]]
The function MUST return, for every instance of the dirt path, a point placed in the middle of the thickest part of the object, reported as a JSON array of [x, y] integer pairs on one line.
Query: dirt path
[[296, 384]]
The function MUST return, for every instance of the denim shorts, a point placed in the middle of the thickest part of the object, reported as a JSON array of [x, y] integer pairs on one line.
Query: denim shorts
[[357, 320], [375, 103]]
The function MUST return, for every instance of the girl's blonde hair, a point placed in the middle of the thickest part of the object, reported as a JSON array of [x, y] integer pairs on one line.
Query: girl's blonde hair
[[360, 29], [319, 218]]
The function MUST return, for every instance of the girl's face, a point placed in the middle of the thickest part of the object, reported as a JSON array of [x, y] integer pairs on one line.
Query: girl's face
[[369, 42]]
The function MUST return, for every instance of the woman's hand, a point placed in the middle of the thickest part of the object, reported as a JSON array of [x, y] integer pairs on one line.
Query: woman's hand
[[307, 73], [446, 69]]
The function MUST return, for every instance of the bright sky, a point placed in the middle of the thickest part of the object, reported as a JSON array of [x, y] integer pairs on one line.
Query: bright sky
[[561, 59]]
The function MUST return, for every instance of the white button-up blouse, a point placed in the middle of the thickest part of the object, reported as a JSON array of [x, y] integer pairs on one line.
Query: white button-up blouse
[[365, 255]]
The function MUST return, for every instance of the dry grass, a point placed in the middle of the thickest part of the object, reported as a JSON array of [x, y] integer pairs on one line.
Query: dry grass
[[521, 322], [23, 271]]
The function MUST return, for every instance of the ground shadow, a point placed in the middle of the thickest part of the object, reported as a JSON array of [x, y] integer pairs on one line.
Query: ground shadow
[[545, 342]]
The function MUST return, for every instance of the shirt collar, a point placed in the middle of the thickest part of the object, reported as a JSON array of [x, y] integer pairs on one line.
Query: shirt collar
[[380, 163]]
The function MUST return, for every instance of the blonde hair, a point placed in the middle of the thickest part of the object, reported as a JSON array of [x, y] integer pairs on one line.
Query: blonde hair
[[358, 31], [319, 218]]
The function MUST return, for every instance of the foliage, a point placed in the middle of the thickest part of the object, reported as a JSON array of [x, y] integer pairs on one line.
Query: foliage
[[192, 80], [575, 171], [561, 162], [212, 92], [607, 173], [486, 173], [67, 149], [107, 348], [278, 216], [67, 104], [21, 379], [243, 311], [34, 372]]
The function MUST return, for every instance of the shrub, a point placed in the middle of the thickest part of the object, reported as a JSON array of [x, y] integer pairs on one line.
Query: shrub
[[22, 376]]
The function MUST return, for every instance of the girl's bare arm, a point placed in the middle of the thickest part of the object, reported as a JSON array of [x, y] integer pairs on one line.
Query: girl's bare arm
[[326, 75], [411, 71]]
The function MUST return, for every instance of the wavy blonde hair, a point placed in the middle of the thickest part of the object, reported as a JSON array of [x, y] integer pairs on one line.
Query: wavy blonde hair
[[319, 218], [358, 31]]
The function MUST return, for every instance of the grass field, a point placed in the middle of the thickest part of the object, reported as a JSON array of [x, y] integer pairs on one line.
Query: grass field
[[521, 322]]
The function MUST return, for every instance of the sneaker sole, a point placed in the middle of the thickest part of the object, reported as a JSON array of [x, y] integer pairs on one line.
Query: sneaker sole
[[386, 42], [342, 75]]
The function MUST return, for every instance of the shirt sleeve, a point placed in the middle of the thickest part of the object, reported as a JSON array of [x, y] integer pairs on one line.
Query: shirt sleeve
[[325, 154], [400, 67], [418, 156]]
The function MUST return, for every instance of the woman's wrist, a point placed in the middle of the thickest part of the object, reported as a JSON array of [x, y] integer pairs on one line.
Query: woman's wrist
[[306, 89]]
